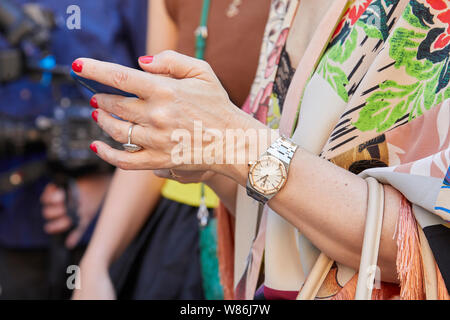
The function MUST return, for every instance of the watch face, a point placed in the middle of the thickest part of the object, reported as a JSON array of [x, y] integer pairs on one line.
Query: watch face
[[267, 175]]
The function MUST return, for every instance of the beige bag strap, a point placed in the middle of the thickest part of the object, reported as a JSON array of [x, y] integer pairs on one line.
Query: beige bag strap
[[369, 255], [315, 278], [371, 242]]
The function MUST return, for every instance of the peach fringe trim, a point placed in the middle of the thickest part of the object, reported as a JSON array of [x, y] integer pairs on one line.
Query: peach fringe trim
[[409, 259], [442, 289]]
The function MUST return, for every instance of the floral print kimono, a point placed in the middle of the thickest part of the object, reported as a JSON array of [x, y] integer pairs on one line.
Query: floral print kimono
[[375, 100]]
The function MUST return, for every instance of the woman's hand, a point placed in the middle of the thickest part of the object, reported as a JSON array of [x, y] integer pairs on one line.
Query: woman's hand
[[179, 96]]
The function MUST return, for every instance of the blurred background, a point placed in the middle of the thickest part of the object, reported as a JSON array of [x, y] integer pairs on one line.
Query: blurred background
[[157, 238], [51, 184]]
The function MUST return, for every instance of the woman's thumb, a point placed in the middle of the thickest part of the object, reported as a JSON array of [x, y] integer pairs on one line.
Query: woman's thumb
[[174, 65]]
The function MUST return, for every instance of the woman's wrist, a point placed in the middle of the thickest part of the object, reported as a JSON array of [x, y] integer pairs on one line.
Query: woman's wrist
[[236, 172], [243, 144]]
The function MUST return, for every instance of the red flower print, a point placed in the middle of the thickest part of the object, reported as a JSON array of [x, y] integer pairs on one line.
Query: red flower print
[[442, 12], [352, 14], [357, 9], [437, 4], [262, 98], [444, 38]]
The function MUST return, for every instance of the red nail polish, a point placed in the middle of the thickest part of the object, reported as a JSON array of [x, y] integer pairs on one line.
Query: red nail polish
[[77, 65], [93, 103], [95, 115], [146, 59], [93, 147]]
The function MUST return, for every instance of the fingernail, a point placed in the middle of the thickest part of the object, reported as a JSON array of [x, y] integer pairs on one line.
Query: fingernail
[[146, 59], [95, 115], [93, 147], [93, 103], [77, 65]]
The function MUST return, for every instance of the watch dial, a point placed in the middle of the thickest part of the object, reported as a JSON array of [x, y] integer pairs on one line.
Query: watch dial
[[268, 175]]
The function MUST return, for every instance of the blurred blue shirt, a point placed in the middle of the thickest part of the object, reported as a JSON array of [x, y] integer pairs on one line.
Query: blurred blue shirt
[[111, 30]]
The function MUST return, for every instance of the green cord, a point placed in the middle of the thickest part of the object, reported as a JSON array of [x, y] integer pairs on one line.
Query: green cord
[[202, 31], [208, 235], [202, 188], [200, 46]]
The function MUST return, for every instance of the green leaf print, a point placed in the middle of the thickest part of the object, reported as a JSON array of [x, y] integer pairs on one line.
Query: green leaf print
[[341, 52], [338, 80], [370, 30], [412, 19], [393, 101], [403, 49], [384, 107], [273, 119], [329, 65]]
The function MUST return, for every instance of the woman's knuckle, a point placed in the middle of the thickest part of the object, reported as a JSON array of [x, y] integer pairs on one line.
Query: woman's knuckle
[[147, 138], [119, 105], [121, 108], [116, 132], [169, 54], [167, 92], [119, 77], [123, 164], [204, 65], [149, 89], [159, 117]]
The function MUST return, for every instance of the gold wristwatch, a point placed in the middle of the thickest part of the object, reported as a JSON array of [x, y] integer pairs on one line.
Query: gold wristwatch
[[269, 173]]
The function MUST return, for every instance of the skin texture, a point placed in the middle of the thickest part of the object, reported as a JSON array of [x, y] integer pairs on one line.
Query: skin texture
[[177, 90]]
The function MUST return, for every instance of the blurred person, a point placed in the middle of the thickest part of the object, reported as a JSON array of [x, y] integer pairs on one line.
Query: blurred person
[[358, 89], [148, 229], [112, 30]]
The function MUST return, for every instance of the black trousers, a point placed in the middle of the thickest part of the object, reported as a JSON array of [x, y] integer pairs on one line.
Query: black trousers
[[164, 260], [25, 274]]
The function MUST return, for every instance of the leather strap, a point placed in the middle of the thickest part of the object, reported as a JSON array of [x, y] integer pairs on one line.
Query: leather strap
[[315, 278]]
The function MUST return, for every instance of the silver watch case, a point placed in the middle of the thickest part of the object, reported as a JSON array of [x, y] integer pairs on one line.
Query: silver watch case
[[282, 150]]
